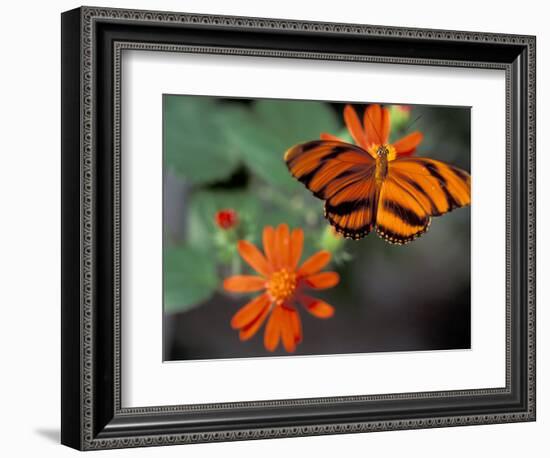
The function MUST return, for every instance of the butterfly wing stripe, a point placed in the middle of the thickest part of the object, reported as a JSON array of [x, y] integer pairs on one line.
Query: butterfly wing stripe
[[302, 148], [325, 183], [306, 160], [447, 186], [312, 160], [459, 182], [329, 172], [358, 190], [461, 174], [352, 210], [325, 167], [417, 192], [452, 199], [338, 183], [310, 153], [403, 213], [353, 225], [400, 217], [349, 206], [341, 185], [438, 193]]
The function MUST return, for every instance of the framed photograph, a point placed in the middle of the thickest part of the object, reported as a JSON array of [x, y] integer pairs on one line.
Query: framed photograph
[[277, 228]]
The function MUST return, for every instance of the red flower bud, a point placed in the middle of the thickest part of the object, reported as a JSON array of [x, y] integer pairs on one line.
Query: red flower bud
[[226, 218]]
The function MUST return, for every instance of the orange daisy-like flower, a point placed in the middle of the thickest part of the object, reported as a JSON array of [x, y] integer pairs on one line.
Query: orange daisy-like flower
[[374, 132], [283, 283]]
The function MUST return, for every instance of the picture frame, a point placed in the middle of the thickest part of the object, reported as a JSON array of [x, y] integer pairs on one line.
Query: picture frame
[[93, 416]]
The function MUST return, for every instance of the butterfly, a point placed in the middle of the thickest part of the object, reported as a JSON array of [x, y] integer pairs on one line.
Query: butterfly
[[375, 185]]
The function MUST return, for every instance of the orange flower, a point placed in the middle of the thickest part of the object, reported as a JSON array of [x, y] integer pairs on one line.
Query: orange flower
[[283, 283], [375, 132]]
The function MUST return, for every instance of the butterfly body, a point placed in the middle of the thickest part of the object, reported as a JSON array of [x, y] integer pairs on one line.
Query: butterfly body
[[382, 153]]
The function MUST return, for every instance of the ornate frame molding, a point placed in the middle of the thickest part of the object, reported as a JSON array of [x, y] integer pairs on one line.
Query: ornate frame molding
[[91, 435]]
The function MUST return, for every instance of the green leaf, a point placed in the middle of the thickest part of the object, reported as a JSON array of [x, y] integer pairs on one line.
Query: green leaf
[[261, 151], [189, 278], [296, 121], [261, 135], [194, 145]]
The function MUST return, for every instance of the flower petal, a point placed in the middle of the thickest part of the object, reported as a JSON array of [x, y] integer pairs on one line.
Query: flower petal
[[296, 325], [317, 307], [250, 330], [406, 145], [287, 331], [314, 263], [354, 126], [282, 246], [273, 329], [296, 246], [254, 257], [244, 283], [377, 124], [322, 280], [269, 244], [385, 125], [249, 312], [330, 137]]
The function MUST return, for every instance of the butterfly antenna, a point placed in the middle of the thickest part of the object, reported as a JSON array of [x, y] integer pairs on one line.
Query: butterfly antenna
[[413, 122]]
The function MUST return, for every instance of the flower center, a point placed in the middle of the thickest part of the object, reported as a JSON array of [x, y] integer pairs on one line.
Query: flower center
[[282, 285]]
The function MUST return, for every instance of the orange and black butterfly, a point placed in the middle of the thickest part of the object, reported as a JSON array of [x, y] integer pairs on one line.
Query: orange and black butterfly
[[373, 184]]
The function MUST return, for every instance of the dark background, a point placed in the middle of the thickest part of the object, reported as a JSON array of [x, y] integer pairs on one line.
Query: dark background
[[390, 298]]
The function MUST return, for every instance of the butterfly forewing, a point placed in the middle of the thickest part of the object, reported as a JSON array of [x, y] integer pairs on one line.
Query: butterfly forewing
[[342, 175], [440, 187], [323, 166]]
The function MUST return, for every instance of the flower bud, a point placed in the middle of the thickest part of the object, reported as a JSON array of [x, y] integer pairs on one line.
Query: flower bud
[[226, 218]]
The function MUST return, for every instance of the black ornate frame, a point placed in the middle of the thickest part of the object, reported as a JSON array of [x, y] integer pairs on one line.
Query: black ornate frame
[[92, 42]]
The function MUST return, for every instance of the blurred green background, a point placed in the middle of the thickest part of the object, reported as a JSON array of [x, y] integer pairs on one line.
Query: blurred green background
[[223, 153]]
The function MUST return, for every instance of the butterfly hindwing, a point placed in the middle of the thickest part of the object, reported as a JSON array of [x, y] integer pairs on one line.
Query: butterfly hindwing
[[352, 209], [400, 217]]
